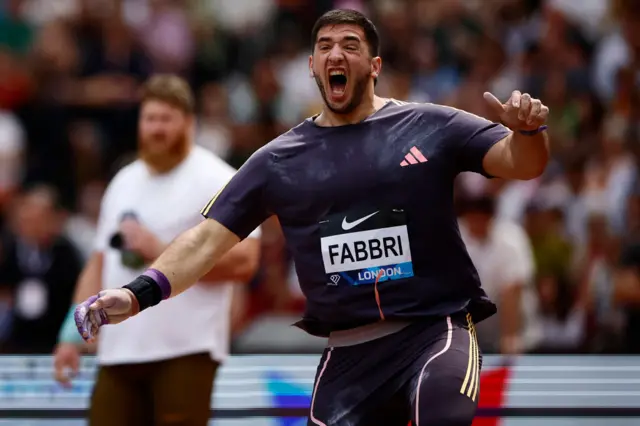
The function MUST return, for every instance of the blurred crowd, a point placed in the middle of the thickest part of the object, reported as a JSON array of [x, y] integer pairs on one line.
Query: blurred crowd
[[560, 254]]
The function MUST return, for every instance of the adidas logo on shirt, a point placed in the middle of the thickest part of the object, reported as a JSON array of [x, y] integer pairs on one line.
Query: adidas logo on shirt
[[413, 157]]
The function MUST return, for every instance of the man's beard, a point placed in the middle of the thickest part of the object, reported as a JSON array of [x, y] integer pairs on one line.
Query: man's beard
[[165, 160], [356, 99]]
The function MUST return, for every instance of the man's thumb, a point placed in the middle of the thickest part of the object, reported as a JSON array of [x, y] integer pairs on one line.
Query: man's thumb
[[494, 103], [99, 302]]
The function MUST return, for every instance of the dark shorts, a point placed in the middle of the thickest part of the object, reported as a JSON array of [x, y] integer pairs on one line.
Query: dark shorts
[[427, 373], [173, 392]]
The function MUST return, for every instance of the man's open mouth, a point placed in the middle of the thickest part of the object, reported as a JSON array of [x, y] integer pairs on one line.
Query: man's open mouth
[[337, 82]]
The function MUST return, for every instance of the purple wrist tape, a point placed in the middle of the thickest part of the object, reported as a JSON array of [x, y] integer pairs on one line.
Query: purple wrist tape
[[534, 132], [161, 280]]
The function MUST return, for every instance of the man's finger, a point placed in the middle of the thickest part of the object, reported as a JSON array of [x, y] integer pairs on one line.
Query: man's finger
[[514, 100], [494, 103], [525, 107], [544, 113], [62, 378], [534, 114], [104, 300], [74, 366], [64, 373], [89, 316], [98, 304]]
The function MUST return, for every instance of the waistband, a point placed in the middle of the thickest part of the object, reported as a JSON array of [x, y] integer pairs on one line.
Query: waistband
[[365, 333]]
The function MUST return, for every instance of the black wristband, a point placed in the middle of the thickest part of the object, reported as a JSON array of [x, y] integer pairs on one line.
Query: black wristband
[[146, 291]]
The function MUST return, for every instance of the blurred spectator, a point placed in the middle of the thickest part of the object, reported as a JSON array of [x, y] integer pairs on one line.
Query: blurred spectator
[[214, 125], [15, 84], [16, 34], [563, 320], [552, 250], [618, 49], [627, 294], [81, 227], [501, 253], [12, 156], [167, 37], [626, 291], [596, 287], [39, 269], [609, 177]]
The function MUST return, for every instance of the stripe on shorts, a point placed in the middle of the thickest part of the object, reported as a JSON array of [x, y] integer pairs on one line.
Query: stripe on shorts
[[446, 348], [471, 381]]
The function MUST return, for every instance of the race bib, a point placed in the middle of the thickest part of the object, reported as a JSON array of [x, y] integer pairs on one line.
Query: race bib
[[360, 247]]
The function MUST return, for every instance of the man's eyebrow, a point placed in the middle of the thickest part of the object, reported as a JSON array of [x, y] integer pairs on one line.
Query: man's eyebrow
[[327, 39], [351, 38]]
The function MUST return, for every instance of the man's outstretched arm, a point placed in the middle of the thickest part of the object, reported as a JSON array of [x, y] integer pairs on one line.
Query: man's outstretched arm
[[186, 259], [194, 253], [518, 148]]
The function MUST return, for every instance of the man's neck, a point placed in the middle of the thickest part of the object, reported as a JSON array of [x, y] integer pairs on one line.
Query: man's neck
[[367, 107]]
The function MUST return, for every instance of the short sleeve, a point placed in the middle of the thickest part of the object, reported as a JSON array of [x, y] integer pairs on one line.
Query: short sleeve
[[240, 205], [473, 137]]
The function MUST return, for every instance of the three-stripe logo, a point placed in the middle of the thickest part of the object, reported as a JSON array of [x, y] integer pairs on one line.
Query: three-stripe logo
[[414, 156]]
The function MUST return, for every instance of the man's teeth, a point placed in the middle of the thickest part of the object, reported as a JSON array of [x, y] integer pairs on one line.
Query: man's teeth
[[332, 73]]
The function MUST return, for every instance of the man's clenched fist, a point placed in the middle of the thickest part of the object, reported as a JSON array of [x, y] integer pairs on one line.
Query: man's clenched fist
[[107, 307]]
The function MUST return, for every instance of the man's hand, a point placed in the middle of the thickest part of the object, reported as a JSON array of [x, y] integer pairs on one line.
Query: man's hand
[[140, 240], [108, 307], [520, 112], [66, 363]]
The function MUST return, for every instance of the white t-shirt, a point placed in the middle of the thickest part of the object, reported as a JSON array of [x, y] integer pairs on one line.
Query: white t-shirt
[[195, 321], [505, 258]]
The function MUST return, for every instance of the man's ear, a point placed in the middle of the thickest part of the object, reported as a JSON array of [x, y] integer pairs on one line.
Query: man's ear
[[376, 66]]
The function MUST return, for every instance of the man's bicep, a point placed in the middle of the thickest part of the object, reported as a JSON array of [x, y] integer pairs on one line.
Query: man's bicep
[[240, 205], [497, 161]]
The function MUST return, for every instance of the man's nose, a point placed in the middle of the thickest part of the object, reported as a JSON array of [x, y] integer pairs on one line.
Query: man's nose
[[336, 55]]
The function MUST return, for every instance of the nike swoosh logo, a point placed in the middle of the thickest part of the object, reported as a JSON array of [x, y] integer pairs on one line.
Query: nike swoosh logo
[[349, 225]]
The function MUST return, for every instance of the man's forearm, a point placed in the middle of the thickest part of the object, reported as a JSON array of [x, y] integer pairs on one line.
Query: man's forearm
[[193, 254], [529, 155], [239, 264]]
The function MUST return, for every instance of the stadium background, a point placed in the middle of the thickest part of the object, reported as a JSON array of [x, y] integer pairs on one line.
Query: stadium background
[[69, 74]]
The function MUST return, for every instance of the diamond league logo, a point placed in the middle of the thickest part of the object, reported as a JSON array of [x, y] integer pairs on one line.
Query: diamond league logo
[[334, 279]]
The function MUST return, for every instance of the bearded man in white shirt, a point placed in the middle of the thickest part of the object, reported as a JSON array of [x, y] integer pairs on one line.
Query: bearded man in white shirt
[[159, 367]]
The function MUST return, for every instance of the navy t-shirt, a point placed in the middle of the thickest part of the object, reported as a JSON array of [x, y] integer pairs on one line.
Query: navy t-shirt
[[367, 213]]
